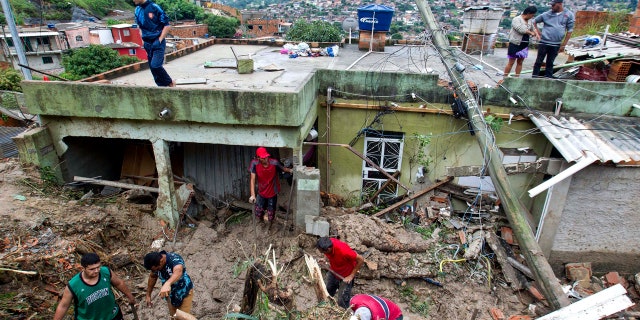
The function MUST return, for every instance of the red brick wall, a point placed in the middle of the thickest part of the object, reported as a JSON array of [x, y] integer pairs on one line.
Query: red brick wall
[[189, 31], [473, 43], [262, 28], [586, 18], [634, 26], [230, 10], [379, 39]]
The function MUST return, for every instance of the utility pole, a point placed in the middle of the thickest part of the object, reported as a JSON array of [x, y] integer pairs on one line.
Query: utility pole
[[17, 43], [515, 210]]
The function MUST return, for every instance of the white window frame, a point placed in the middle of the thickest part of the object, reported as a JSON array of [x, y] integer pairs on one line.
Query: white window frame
[[386, 159]]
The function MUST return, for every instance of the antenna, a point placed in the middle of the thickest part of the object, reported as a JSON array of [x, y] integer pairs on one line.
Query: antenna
[[350, 24]]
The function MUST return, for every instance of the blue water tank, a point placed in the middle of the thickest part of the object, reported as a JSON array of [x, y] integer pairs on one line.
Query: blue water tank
[[375, 17]]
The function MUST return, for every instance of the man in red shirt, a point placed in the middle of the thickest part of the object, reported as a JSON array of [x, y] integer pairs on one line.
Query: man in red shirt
[[344, 264], [266, 171], [370, 307]]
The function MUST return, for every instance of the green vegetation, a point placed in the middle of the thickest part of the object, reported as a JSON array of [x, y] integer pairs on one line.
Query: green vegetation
[[95, 59], [617, 21], [316, 31], [415, 305], [10, 80], [221, 27], [494, 122]]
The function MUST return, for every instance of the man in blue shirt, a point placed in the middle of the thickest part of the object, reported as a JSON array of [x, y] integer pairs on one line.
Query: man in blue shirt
[[177, 287], [556, 31], [154, 24]]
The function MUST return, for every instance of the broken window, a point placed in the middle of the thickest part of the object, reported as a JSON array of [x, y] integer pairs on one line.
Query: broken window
[[385, 150]]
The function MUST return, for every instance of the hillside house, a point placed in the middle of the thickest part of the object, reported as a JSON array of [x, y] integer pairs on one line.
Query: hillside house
[[206, 131], [43, 49]]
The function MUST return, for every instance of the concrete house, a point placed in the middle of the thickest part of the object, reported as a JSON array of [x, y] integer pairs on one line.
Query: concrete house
[[127, 40], [43, 48], [206, 130], [76, 35]]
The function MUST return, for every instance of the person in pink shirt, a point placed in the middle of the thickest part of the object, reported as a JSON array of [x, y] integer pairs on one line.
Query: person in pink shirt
[[371, 307]]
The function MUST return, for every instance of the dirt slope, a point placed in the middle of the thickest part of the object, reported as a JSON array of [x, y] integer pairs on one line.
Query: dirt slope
[[45, 231]]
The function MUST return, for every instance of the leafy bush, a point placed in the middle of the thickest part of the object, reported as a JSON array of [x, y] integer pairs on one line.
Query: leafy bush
[[10, 80], [316, 31], [221, 27], [85, 62]]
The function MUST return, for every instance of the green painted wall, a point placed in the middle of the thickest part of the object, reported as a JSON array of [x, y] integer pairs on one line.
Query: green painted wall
[[144, 103], [451, 145], [612, 98]]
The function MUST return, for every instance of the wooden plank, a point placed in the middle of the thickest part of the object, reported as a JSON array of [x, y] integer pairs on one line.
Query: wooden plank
[[115, 184], [594, 307], [384, 185], [191, 81], [504, 116], [501, 255], [413, 196]]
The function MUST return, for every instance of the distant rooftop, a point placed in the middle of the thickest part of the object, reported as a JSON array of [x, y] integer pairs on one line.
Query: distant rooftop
[[288, 73]]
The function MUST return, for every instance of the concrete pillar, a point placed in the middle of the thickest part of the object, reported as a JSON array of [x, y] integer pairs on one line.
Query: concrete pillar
[[35, 147], [166, 205], [307, 198], [552, 213]]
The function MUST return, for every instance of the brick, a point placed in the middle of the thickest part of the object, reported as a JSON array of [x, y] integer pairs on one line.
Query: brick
[[612, 278], [496, 314], [580, 272], [535, 292], [507, 234], [519, 317]]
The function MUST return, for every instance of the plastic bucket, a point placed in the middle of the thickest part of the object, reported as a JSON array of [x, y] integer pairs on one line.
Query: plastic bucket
[[632, 78]]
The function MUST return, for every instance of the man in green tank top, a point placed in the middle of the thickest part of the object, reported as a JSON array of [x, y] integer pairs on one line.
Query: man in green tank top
[[91, 293]]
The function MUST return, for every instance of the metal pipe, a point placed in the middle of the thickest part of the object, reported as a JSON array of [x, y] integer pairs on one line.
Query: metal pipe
[[363, 157]]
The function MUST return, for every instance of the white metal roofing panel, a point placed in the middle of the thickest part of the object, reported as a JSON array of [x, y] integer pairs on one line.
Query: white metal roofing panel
[[611, 141]]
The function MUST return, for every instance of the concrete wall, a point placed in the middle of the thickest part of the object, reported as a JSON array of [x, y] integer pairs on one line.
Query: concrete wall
[[596, 97], [600, 220]]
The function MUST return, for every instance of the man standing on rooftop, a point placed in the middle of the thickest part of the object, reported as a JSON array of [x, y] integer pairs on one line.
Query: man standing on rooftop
[[154, 24], [556, 31]]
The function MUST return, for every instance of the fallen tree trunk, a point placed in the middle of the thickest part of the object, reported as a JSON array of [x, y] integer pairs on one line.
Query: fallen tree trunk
[[315, 275]]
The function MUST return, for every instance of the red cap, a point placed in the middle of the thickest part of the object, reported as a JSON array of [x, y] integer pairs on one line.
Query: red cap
[[262, 152]]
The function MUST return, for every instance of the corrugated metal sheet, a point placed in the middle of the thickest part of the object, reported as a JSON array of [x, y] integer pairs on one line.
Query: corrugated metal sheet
[[220, 170], [611, 141], [8, 149]]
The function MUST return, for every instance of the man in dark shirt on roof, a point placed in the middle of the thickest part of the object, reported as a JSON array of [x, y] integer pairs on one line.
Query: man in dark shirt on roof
[[154, 24], [556, 31]]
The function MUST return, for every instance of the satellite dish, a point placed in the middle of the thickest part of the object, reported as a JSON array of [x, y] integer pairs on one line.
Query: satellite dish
[[350, 24]]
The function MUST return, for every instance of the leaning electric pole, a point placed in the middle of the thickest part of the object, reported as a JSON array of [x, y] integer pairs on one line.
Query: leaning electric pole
[[17, 43], [515, 210]]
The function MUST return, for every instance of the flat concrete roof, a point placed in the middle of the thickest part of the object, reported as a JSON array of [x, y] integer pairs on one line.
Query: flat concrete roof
[[295, 71]]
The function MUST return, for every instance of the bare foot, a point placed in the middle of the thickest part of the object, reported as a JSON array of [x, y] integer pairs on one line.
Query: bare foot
[[172, 84]]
